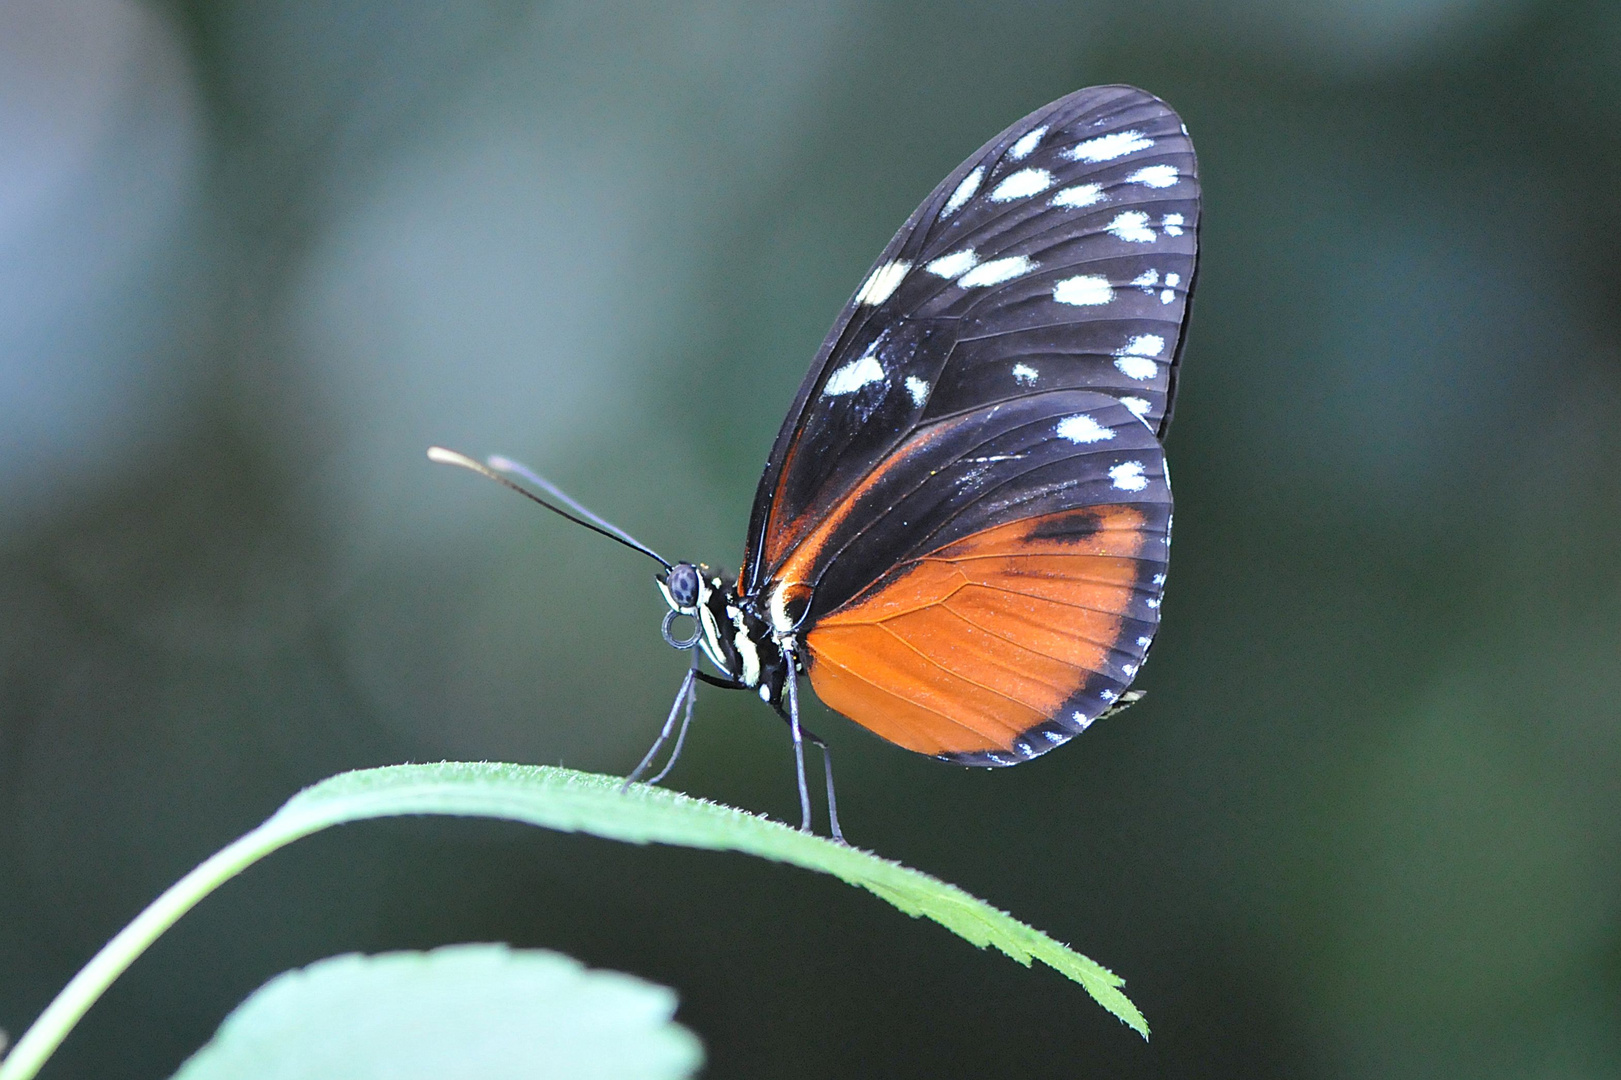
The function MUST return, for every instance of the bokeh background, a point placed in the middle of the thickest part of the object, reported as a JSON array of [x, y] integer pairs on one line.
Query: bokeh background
[[255, 256]]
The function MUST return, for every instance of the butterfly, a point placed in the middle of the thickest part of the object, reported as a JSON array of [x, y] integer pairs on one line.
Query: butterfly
[[962, 530]]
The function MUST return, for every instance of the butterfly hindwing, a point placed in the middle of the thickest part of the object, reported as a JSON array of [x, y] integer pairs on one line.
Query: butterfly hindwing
[[1057, 257], [994, 584]]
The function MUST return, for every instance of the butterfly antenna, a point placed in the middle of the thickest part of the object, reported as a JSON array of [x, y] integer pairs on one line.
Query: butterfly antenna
[[580, 515]]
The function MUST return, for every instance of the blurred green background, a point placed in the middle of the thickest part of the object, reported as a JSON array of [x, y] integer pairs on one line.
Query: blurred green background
[[254, 257]]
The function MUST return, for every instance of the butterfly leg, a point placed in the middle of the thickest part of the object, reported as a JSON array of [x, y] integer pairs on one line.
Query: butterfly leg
[[832, 803], [799, 748], [689, 694], [1126, 701], [792, 718], [686, 722]]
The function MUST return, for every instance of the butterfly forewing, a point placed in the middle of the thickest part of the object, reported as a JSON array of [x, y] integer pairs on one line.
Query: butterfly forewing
[[1059, 256]]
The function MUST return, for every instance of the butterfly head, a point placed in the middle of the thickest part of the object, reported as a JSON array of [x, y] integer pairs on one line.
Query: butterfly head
[[727, 627], [681, 586]]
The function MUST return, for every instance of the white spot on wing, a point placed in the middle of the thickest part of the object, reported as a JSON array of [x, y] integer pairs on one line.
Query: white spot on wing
[[1146, 280], [1145, 345], [1081, 428], [1168, 293], [1085, 290], [853, 376], [1128, 476], [1132, 226], [964, 192], [1024, 374], [1052, 736], [918, 389], [1155, 176], [1083, 721], [950, 266], [1173, 224], [1079, 195], [1137, 405], [1109, 147], [1136, 367], [1022, 184], [884, 281], [1135, 358], [1027, 142], [997, 271]]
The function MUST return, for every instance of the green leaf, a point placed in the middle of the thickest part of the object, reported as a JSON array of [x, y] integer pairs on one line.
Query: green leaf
[[482, 1011], [571, 802]]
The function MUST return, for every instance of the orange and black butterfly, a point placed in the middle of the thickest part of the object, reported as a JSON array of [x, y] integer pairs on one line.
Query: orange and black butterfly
[[962, 530]]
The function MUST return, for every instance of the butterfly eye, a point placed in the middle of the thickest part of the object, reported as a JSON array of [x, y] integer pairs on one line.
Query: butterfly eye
[[682, 582]]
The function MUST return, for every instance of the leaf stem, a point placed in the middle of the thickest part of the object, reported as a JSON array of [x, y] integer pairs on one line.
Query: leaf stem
[[46, 1034]]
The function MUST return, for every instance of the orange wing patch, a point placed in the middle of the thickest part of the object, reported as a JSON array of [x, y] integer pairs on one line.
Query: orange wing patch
[[798, 543], [970, 646]]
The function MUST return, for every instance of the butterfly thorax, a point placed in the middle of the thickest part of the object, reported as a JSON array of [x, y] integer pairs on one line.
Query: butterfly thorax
[[730, 629]]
